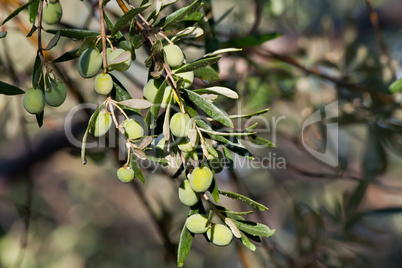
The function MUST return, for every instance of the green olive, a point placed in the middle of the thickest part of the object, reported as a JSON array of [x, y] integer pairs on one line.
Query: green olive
[[196, 224], [174, 56], [89, 62], [103, 84], [102, 124], [185, 145], [133, 129], [151, 88], [201, 179], [180, 124], [186, 195], [122, 66], [52, 12], [34, 101], [220, 235], [56, 95], [125, 174], [188, 79]]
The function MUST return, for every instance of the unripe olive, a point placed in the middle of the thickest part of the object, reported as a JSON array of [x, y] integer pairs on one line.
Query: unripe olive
[[56, 95], [201, 179], [174, 56], [103, 84], [89, 62], [125, 174], [185, 145], [52, 12], [180, 124], [150, 89], [123, 66], [133, 129], [186, 195], [220, 235], [102, 124], [196, 224], [188, 79], [34, 101]]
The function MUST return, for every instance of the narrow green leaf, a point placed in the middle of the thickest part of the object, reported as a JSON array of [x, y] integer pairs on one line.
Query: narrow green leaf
[[260, 141], [206, 74], [157, 159], [242, 213], [254, 228], [136, 103], [215, 190], [17, 11], [137, 40], [222, 51], [244, 199], [53, 41], [223, 91], [121, 92], [127, 17], [231, 134], [396, 86], [74, 33], [39, 118], [197, 64], [247, 242], [189, 32], [33, 11], [37, 72], [3, 34], [250, 40], [91, 123], [210, 109], [178, 15], [136, 168], [249, 115], [33, 29], [8, 89], [72, 54], [186, 240], [123, 43]]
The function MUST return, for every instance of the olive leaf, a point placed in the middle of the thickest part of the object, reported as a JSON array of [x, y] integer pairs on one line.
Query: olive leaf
[[247, 242], [197, 64], [396, 86], [210, 109], [254, 228], [154, 110], [8, 89], [136, 168], [123, 20], [74, 33], [69, 55], [206, 74], [250, 40], [186, 240], [249, 115], [244, 199], [223, 91], [136, 103], [91, 123], [3, 34], [17, 11], [222, 51], [121, 58]]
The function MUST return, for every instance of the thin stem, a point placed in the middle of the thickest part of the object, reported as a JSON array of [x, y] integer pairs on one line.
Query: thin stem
[[103, 36], [40, 49]]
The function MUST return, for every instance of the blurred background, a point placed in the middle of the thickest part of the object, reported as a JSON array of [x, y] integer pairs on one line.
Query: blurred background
[[346, 52]]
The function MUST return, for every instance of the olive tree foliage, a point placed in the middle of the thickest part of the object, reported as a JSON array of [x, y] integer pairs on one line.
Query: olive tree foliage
[[176, 123]]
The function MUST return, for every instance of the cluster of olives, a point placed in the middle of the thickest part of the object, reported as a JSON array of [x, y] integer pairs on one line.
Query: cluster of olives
[[35, 100], [90, 62], [217, 233], [52, 12]]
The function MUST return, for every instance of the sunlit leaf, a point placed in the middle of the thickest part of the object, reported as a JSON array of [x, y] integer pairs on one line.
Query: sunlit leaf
[[244, 199], [123, 20]]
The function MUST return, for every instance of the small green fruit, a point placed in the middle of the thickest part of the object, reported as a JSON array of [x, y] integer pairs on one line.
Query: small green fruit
[[34, 101], [52, 12], [56, 95], [196, 224], [220, 235], [103, 121], [188, 79], [151, 88], [103, 84], [125, 174], [185, 145], [133, 129], [201, 179], [122, 66], [186, 195], [174, 56], [89, 62], [180, 124]]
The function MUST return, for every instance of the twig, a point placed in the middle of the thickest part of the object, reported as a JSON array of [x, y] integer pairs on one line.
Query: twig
[[379, 36], [103, 35], [382, 97], [258, 10]]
